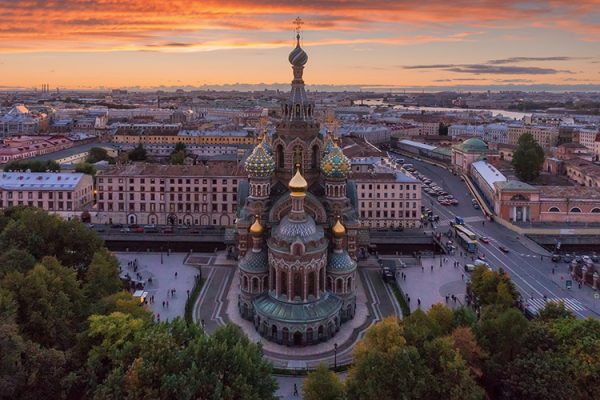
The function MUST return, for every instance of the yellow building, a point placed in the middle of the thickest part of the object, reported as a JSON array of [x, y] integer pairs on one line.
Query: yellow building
[[174, 136]]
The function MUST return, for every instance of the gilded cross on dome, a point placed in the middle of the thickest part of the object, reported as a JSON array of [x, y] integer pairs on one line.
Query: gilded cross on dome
[[298, 22]]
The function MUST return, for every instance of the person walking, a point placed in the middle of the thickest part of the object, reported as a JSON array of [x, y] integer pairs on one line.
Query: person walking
[[295, 389]]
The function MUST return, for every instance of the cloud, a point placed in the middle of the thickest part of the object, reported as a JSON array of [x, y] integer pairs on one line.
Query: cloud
[[479, 69], [514, 60]]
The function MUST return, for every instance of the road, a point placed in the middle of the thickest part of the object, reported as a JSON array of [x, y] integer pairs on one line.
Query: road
[[532, 275]]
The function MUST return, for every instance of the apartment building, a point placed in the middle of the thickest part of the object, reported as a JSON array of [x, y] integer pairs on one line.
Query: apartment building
[[545, 136], [65, 194], [174, 136], [586, 137], [143, 193], [387, 198]]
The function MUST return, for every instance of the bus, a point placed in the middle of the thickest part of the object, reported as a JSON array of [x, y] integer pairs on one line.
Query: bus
[[464, 230], [469, 244]]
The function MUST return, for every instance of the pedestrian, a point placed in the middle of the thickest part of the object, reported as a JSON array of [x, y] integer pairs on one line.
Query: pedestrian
[[422, 268], [404, 278], [175, 274], [295, 390], [579, 285], [432, 267], [163, 304], [446, 298], [462, 276], [553, 271], [408, 299], [167, 303], [158, 317], [419, 302]]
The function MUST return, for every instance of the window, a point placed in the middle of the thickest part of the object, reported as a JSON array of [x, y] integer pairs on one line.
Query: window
[[596, 210], [554, 209], [575, 210]]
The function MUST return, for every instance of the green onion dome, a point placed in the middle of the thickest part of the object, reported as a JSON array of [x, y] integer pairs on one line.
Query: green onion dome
[[335, 164]]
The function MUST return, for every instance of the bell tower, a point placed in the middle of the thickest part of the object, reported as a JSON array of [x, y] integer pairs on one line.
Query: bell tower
[[297, 139]]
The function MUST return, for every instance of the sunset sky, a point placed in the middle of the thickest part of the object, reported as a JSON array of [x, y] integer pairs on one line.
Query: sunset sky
[[149, 43]]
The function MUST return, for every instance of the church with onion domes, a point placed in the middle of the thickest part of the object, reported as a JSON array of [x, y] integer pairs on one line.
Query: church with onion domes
[[297, 227]]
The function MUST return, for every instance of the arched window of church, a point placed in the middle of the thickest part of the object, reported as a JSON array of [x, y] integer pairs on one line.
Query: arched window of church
[[315, 157], [311, 284], [297, 285], [297, 109], [283, 284], [280, 156]]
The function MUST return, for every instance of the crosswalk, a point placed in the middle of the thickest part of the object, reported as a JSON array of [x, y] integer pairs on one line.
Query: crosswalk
[[570, 304]]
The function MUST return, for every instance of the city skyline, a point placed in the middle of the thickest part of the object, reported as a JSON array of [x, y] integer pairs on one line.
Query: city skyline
[[85, 45]]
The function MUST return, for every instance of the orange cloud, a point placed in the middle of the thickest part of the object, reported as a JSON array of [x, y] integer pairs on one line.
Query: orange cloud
[[31, 25]]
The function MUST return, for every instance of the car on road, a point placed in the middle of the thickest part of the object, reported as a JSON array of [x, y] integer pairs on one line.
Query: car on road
[[125, 230], [139, 229], [555, 257], [503, 249], [454, 202], [481, 257], [133, 226], [387, 274], [484, 239], [594, 258], [476, 206], [116, 226], [168, 230], [567, 258], [100, 229]]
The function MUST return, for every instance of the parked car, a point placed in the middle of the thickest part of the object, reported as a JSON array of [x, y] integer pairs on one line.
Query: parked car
[[125, 230], [139, 229], [476, 206], [567, 258], [168, 229], [503, 249], [116, 226], [555, 257]]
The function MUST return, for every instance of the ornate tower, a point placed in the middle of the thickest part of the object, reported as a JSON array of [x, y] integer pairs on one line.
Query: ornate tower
[[297, 140], [335, 167]]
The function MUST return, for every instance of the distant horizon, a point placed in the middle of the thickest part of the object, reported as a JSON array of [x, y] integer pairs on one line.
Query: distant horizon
[[366, 88]]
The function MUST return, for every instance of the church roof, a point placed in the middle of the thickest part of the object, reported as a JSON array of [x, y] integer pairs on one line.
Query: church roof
[[255, 262], [340, 262], [473, 145], [269, 307]]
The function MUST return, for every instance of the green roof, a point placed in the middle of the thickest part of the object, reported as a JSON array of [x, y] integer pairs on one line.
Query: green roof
[[268, 307], [473, 145]]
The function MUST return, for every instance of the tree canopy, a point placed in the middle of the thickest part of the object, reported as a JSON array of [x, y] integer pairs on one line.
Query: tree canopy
[[138, 154], [528, 158], [32, 165]]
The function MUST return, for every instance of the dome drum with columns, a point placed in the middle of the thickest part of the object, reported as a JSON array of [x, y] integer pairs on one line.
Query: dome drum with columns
[[297, 274]]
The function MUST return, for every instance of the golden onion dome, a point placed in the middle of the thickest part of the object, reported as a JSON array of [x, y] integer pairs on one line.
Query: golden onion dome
[[257, 229], [298, 183], [338, 229]]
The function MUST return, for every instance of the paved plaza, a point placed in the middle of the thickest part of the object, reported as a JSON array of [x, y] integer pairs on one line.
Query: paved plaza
[[160, 280]]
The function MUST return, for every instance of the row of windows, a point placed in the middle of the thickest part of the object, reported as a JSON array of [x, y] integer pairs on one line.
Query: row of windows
[[40, 195], [363, 195], [573, 210], [170, 189], [385, 204], [161, 197], [60, 205], [180, 207], [386, 214], [162, 181], [385, 186]]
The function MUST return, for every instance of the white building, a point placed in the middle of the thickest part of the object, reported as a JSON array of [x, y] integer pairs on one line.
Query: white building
[[19, 121], [485, 175], [65, 194]]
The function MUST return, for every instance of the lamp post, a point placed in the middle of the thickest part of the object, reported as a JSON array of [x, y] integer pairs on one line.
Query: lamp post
[[161, 255], [335, 355]]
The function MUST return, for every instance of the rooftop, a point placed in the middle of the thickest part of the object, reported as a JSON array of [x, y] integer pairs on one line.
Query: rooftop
[[39, 180], [488, 172], [571, 192], [515, 185]]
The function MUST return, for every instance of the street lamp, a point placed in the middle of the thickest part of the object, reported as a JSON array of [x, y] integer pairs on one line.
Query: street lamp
[[161, 255], [335, 355]]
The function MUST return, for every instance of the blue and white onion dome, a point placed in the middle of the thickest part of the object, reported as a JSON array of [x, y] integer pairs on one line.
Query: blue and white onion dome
[[260, 164], [335, 164], [328, 145], [298, 57]]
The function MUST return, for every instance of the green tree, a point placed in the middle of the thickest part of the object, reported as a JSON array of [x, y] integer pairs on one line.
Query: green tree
[[177, 158], [96, 154], [15, 259], [102, 276], [451, 376], [49, 303], [33, 166], [138, 154], [492, 288], [528, 158], [85, 168], [180, 146], [323, 384], [554, 310]]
